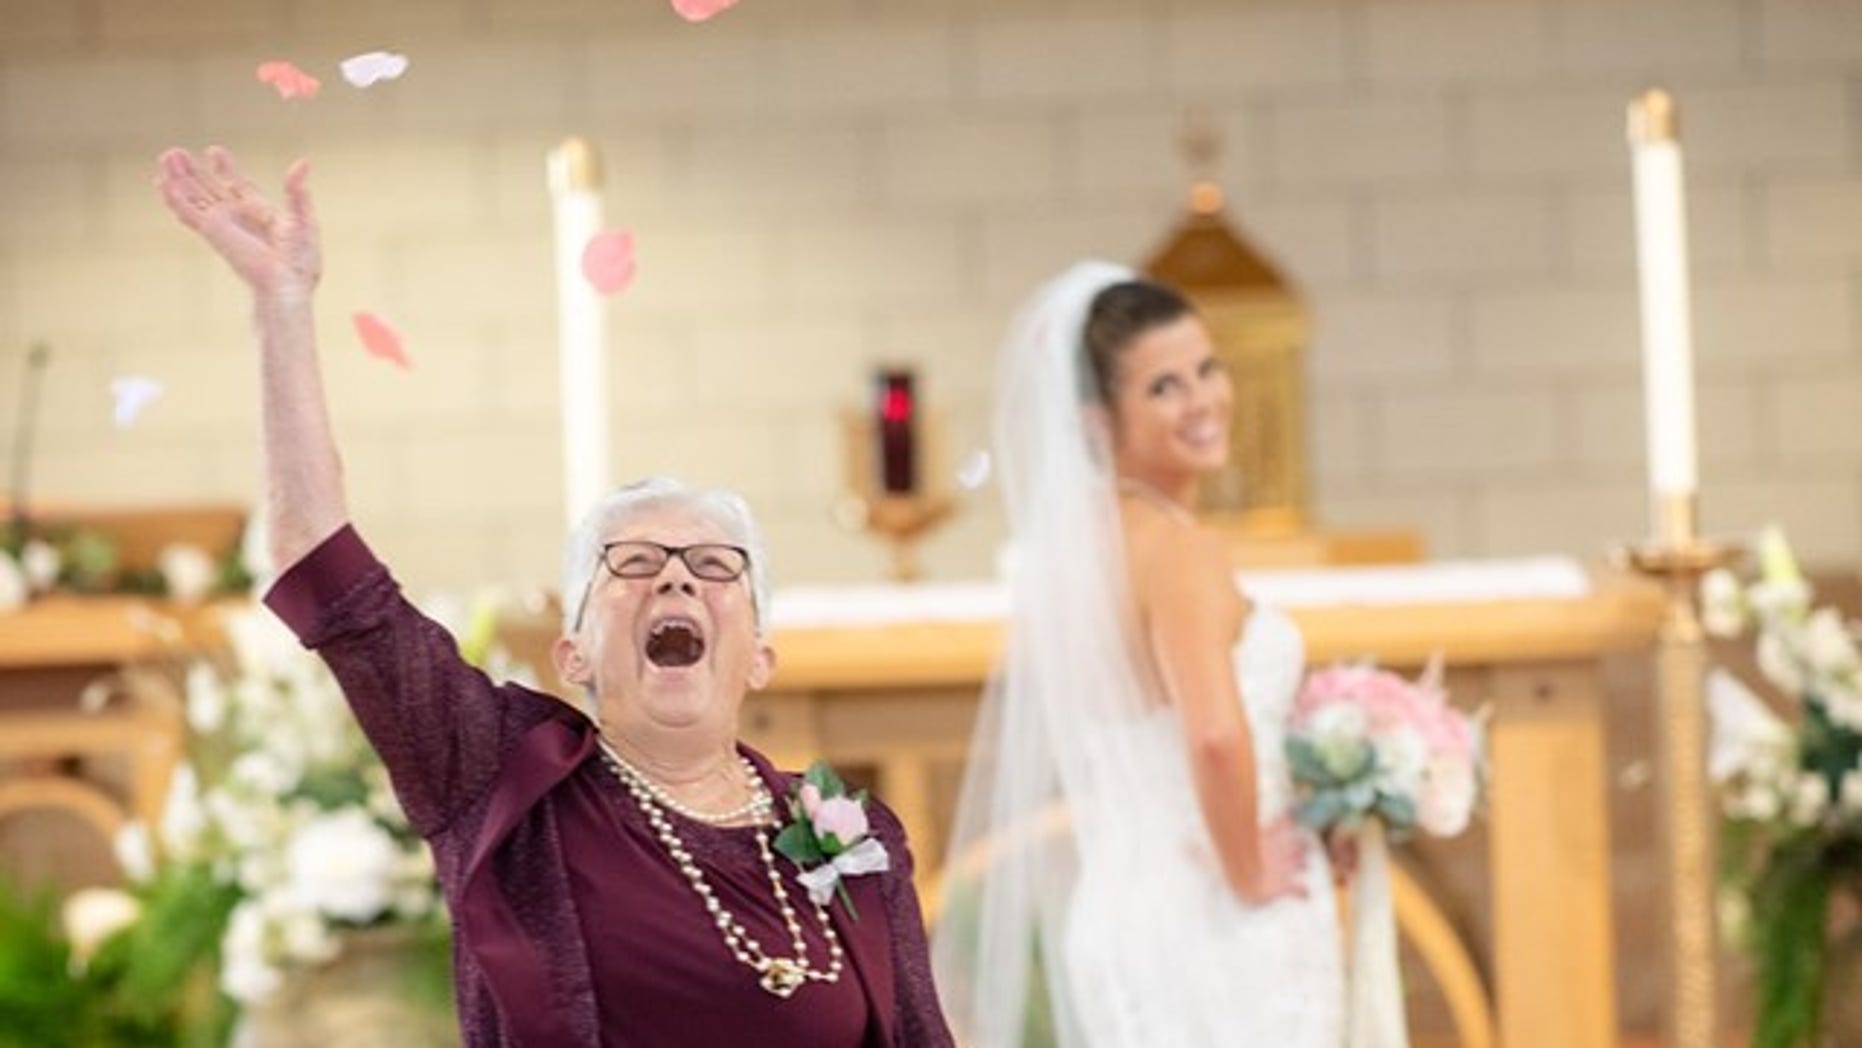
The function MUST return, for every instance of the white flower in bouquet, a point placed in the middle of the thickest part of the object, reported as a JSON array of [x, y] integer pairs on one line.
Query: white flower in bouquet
[[301, 933], [246, 822], [1780, 663], [1339, 736], [13, 587], [1843, 704], [1402, 761], [40, 562], [188, 572], [247, 975], [206, 699], [1810, 800], [342, 864], [262, 773], [1829, 646], [1722, 603], [1781, 591], [1448, 795], [263, 646], [135, 852], [184, 820], [93, 915]]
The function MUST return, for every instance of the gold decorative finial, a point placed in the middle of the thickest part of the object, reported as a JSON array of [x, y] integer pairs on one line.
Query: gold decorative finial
[[1653, 118], [575, 167], [1202, 152]]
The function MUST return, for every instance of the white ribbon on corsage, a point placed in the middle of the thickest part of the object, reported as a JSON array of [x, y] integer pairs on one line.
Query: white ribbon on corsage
[[1375, 1014], [868, 856]]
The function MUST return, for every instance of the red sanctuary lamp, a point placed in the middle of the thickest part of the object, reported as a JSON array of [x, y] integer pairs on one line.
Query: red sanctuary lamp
[[892, 475], [897, 425]]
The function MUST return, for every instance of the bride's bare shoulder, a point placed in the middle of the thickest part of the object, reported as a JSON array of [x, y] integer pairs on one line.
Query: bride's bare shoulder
[[1172, 557]]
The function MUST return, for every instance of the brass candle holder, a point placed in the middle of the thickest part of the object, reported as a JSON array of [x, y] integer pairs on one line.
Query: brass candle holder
[[901, 519], [1678, 557]]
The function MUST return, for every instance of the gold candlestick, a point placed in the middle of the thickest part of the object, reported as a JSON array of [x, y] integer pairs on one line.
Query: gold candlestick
[[902, 520], [1678, 557]]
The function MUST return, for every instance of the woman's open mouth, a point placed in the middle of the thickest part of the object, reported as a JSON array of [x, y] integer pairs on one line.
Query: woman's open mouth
[[675, 642]]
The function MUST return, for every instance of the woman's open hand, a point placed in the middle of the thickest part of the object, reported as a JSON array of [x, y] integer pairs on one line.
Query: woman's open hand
[[274, 250]]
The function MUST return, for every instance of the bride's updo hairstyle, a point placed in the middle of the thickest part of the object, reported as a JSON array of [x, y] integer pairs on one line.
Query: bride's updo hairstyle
[[1118, 315]]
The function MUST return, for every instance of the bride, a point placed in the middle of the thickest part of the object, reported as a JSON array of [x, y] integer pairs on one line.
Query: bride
[[1136, 879]]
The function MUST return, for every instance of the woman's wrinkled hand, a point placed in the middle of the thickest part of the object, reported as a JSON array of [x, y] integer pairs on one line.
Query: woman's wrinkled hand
[[274, 250]]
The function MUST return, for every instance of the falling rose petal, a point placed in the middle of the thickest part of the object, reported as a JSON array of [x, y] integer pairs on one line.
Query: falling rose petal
[[700, 10], [381, 340], [288, 80], [975, 471], [373, 67], [608, 262], [132, 394]]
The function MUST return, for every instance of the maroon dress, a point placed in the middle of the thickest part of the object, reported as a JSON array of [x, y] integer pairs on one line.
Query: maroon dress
[[572, 927]]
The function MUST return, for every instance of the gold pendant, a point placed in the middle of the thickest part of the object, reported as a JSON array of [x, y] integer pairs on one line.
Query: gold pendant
[[783, 977]]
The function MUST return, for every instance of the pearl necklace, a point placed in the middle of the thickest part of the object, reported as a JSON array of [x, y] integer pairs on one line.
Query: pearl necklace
[[781, 976], [755, 808]]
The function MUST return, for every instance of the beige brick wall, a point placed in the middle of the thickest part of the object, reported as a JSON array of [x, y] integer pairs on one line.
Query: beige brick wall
[[821, 184]]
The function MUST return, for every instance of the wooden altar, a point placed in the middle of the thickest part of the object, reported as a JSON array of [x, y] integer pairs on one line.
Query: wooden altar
[[899, 697]]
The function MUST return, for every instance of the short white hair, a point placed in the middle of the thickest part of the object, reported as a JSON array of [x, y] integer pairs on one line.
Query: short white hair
[[720, 506]]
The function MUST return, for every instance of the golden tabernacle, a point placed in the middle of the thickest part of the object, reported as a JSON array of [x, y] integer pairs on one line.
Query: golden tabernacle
[[1261, 329]]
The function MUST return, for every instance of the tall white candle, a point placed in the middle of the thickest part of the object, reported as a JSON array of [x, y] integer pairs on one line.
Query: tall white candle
[[575, 186], [1667, 330]]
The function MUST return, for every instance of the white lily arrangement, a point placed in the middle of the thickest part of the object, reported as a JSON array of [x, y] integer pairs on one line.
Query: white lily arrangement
[[1791, 787]]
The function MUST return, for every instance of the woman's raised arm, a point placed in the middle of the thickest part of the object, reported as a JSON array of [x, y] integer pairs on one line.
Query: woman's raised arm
[[275, 252]]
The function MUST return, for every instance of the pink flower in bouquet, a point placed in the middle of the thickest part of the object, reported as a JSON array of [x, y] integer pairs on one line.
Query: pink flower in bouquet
[[1327, 686], [1450, 734], [811, 799]]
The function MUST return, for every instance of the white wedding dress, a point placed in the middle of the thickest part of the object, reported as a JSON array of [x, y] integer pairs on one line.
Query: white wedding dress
[[1242, 975], [1085, 907]]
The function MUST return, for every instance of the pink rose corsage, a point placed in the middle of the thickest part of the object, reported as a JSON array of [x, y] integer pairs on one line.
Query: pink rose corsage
[[828, 837]]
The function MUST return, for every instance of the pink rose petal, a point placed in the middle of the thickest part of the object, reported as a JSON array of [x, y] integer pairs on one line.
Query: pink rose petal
[[700, 10], [811, 799], [381, 340], [608, 262], [288, 80]]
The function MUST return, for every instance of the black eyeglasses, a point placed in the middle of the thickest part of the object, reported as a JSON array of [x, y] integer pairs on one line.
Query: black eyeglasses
[[639, 559]]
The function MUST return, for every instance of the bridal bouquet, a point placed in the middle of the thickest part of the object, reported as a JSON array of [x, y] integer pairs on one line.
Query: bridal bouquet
[[1368, 744], [1378, 756]]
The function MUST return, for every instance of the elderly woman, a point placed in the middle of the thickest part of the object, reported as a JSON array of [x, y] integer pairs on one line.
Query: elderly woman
[[612, 881]]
